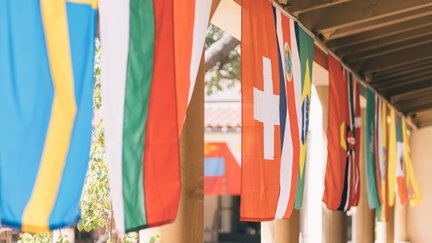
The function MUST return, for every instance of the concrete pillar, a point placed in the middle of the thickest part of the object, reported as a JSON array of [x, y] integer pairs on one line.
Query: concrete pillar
[[281, 231], [390, 226], [363, 219], [189, 225]]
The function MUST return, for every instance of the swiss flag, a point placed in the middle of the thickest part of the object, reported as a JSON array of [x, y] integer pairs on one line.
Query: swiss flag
[[261, 146]]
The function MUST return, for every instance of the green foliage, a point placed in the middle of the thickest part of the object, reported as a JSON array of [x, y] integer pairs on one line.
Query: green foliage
[[132, 237], [96, 201], [29, 238], [155, 238], [227, 69]]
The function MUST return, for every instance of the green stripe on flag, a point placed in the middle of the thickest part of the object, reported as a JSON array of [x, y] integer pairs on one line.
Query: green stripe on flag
[[370, 163], [138, 84]]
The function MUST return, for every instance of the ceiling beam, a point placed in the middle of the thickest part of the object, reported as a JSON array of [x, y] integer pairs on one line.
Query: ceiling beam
[[400, 58], [355, 12], [387, 50], [409, 95], [397, 72], [379, 33], [296, 7], [408, 87], [412, 109], [404, 79], [411, 34], [377, 23]]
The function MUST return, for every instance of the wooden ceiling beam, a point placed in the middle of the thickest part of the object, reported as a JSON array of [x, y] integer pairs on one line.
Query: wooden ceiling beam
[[355, 12], [410, 35], [377, 23], [410, 95], [376, 34], [408, 87], [403, 79], [397, 72], [413, 109], [359, 57], [297, 7], [400, 58]]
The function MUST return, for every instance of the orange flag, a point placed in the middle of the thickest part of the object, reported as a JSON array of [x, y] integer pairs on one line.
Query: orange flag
[[338, 113], [260, 112]]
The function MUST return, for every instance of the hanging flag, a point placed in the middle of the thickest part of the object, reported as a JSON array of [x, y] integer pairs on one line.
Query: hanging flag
[[221, 170], [413, 189], [392, 158], [46, 91], [370, 151], [290, 81], [306, 50], [335, 192], [342, 179], [353, 140], [140, 111], [382, 211], [400, 163], [261, 129], [191, 18]]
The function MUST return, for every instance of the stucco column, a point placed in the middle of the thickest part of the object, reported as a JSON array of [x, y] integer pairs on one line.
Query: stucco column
[[363, 220], [189, 225], [281, 231]]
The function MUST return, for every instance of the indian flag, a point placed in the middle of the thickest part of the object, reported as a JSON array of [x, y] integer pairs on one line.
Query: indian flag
[[145, 45]]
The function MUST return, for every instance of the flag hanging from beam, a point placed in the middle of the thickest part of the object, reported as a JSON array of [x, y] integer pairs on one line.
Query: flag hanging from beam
[[191, 18], [46, 88], [336, 170], [275, 97], [382, 155], [372, 175], [342, 179], [290, 85], [392, 157], [413, 190], [261, 129], [150, 58], [306, 50]]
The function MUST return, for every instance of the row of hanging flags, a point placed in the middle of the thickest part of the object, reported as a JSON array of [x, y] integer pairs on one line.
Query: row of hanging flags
[[151, 54], [277, 55], [151, 51], [388, 165], [389, 169]]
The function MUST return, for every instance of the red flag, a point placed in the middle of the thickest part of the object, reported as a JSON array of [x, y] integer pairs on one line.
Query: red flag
[[260, 112], [336, 136]]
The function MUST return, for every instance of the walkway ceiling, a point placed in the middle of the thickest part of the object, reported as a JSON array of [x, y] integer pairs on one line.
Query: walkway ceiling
[[387, 42]]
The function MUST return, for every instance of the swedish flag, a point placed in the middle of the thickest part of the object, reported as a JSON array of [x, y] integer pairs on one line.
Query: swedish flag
[[46, 88]]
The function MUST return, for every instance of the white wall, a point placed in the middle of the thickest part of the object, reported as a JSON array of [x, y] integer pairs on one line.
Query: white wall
[[420, 217]]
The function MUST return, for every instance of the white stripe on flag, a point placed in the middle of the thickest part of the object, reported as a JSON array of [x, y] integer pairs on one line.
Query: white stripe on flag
[[201, 20], [297, 78], [114, 23], [287, 150]]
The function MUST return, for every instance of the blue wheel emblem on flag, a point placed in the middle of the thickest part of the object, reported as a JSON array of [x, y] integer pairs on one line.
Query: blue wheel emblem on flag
[[305, 123], [288, 62]]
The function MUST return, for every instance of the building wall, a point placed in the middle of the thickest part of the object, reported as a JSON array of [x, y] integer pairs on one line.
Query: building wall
[[419, 218]]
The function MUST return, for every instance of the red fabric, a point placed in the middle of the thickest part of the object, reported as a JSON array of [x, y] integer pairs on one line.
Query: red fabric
[[292, 113], [161, 169], [184, 17], [338, 119], [260, 177], [215, 184]]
